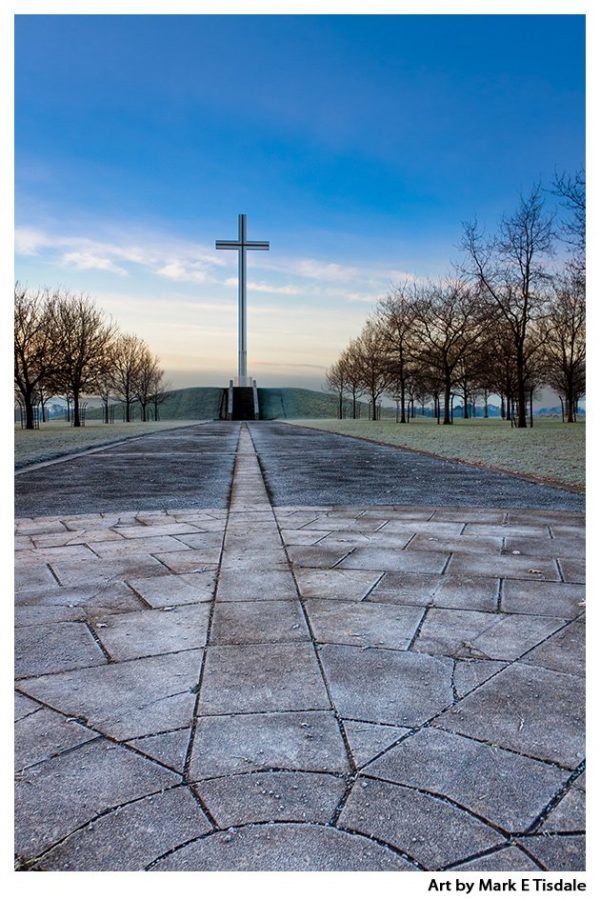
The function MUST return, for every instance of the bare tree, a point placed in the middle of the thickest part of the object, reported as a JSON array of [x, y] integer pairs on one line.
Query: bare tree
[[563, 339], [449, 322], [35, 347], [147, 375], [396, 315], [158, 390], [571, 191], [336, 380], [354, 383], [127, 356], [510, 270], [373, 363], [83, 339]]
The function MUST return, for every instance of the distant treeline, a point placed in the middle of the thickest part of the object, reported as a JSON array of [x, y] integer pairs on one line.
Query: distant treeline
[[506, 323], [66, 347]]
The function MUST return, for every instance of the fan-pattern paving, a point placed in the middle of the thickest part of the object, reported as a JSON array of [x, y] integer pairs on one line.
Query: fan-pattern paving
[[356, 688]]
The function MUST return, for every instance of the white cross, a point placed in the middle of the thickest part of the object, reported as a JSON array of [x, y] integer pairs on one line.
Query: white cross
[[241, 245]]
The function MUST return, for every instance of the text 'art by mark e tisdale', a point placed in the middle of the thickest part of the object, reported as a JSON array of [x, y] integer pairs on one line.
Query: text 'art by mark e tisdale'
[[508, 885]]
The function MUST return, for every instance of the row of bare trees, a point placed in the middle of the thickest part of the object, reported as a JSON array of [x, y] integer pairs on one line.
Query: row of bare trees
[[65, 346], [506, 323]]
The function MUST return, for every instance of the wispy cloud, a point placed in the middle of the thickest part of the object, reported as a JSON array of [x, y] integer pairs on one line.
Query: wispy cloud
[[263, 287], [186, 262], [290, 365], [168, 258], [324, 271], [179, 271], [29, 241], [85, 260]]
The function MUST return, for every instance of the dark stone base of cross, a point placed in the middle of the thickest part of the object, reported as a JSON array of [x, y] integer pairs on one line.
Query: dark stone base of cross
[[240, 404]]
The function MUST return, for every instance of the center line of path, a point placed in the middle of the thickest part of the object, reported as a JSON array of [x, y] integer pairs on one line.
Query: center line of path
[[263, 700]]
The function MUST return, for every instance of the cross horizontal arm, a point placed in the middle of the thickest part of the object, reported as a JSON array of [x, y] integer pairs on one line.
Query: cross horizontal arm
[[238, 245]]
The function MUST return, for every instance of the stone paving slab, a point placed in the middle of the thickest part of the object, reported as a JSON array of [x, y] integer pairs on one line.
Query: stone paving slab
[[427, 561], [562, 652], [563, 600], [309, 741], [45, 734], [153, 632], [272, 797], [255, 621], [338, 686], [131, 837], [556, 852], [460, 592], [126, 699], [526, 709], [283, 676], [40, 649], [387, 687], [407, 819], [505, 789], [568, 815], [510, 859], [335, 585], [462, 633], [470, 673], [364, 624], [66, 792], [286, 847], [367, 740], [169, 747], [172, 590], [24, 706]]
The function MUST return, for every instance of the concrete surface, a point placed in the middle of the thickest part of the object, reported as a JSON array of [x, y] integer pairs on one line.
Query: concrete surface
[[314, 686]]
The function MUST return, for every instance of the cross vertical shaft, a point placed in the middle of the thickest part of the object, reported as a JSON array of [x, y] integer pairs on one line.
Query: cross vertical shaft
[[242, 318], [241, 245]]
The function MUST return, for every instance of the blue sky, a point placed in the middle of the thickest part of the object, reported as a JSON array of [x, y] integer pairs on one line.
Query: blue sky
[[356, 144]]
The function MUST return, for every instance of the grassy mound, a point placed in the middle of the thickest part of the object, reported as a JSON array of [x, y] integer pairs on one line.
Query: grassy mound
[[298, 403], [185, 403]]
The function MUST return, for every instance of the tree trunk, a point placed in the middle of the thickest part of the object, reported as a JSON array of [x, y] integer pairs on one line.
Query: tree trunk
[[76, 418], [570, 405], [531, 408], [447, 412], [28, 403], [374, 400], [521, 393]]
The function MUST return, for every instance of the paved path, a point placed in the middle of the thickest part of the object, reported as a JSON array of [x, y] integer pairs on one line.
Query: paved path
[[300, 687], [180, 468], [194, 466], [310, 467]]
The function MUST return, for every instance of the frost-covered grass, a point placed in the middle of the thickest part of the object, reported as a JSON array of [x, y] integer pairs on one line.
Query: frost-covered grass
[[57, 438], [550, 450]]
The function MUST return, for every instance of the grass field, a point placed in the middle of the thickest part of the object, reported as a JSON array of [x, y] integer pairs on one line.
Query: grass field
[[550, 450], [54, 439]]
